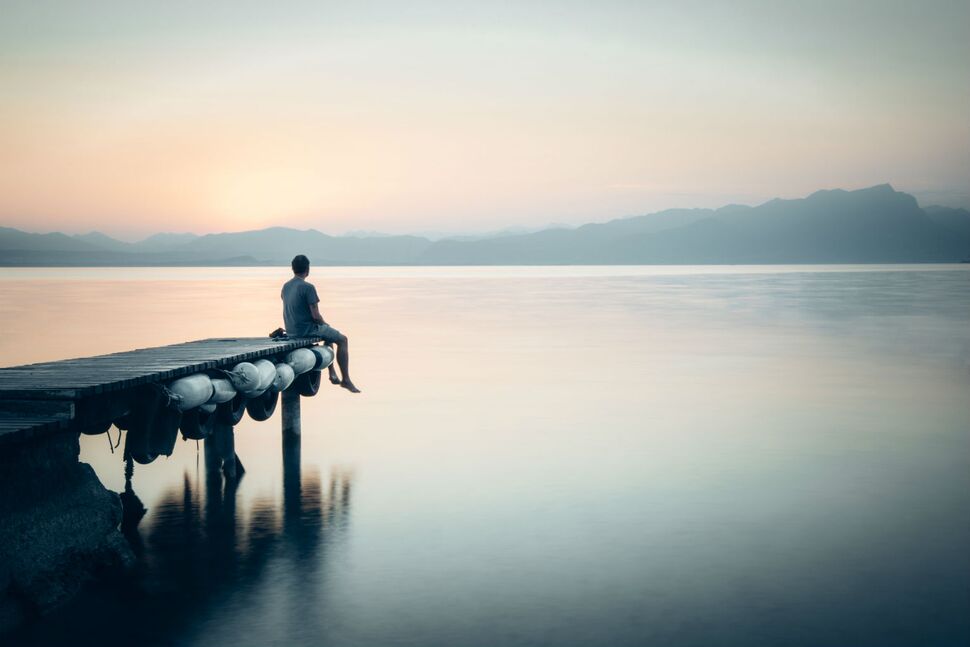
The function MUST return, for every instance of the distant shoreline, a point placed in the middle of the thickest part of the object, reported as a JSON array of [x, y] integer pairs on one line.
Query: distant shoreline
[[874, 225], [453, 265]]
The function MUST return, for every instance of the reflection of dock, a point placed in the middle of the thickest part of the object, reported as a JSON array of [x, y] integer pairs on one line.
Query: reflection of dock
[[207, 546], [92, 392], [204, 547], [59, 527]]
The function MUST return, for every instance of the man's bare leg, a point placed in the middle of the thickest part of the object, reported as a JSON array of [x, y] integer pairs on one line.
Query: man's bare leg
[[343, 360], [332, 369]]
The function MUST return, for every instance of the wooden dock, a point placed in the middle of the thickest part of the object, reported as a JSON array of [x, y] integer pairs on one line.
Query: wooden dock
[[50, 396]]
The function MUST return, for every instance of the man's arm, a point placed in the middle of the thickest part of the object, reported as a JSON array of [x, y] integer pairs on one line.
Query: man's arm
[[315, 313]]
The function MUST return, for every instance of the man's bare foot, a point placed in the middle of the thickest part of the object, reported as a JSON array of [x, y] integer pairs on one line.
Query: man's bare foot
[[334, 378], [347, 384]]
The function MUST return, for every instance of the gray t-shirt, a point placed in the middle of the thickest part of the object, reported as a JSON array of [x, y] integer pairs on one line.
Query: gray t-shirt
[[298, 296]]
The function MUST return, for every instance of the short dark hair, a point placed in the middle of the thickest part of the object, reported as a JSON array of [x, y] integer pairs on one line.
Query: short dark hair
[[300, 264]]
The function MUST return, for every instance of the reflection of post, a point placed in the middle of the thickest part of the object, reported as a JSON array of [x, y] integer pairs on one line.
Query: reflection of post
[[291, 413]]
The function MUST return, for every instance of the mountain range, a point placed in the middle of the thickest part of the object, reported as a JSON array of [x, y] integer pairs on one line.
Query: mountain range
[[873, 225]]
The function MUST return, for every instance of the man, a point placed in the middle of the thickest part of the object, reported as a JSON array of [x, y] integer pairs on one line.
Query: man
[[302, 318]]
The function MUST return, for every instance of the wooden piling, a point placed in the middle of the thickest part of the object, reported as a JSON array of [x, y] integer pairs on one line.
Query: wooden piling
[[291, 413]]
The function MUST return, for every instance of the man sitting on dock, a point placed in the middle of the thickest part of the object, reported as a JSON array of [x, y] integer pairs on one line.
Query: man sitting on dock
[[302, 318]]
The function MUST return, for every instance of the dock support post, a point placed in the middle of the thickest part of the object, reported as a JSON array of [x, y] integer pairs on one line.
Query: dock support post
[[220, 451], [213, 456], [291, 475], [291, 413], [292, 441]]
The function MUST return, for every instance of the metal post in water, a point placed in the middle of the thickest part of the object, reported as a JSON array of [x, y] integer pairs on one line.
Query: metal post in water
[[292, 440], [291, 413], [220, 450], [213, 455], [291, 477]]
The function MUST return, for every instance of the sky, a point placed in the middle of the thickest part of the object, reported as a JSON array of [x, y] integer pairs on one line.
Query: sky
[[414, 117]]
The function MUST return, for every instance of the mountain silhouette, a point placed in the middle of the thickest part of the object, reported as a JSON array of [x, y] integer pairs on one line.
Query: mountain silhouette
[[873, 225]]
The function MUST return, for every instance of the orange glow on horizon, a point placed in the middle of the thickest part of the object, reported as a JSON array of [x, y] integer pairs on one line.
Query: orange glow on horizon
[[342, 122]]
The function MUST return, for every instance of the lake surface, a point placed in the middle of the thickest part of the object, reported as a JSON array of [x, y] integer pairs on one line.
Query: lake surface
[[550, 456]]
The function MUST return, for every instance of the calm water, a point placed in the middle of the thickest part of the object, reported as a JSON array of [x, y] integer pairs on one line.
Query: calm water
[[551, 456]]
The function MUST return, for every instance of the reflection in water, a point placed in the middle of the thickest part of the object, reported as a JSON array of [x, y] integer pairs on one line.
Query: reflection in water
[[133, 510], [670, 456], [205, 551], [199, 552]]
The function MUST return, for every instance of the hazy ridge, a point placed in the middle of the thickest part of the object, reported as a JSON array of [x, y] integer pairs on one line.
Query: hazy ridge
[[874, 225]]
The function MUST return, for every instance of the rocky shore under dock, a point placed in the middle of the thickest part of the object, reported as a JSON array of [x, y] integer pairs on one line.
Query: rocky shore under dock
[[59, 527]]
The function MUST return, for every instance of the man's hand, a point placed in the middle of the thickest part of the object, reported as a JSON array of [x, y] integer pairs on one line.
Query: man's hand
[[315, 314]]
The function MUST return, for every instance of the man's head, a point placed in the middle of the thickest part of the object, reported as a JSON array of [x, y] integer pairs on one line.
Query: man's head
[[300, 265]]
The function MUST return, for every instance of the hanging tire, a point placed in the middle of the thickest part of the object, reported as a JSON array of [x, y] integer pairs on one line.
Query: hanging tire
[[142, 458], [308, 384], [152, 428], [96, 429], [262, 406], [196, 424], [230, 413], [137, 443], [164, 431]]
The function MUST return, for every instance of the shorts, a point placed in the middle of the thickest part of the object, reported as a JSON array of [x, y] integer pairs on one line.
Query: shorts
[[325, 332]]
